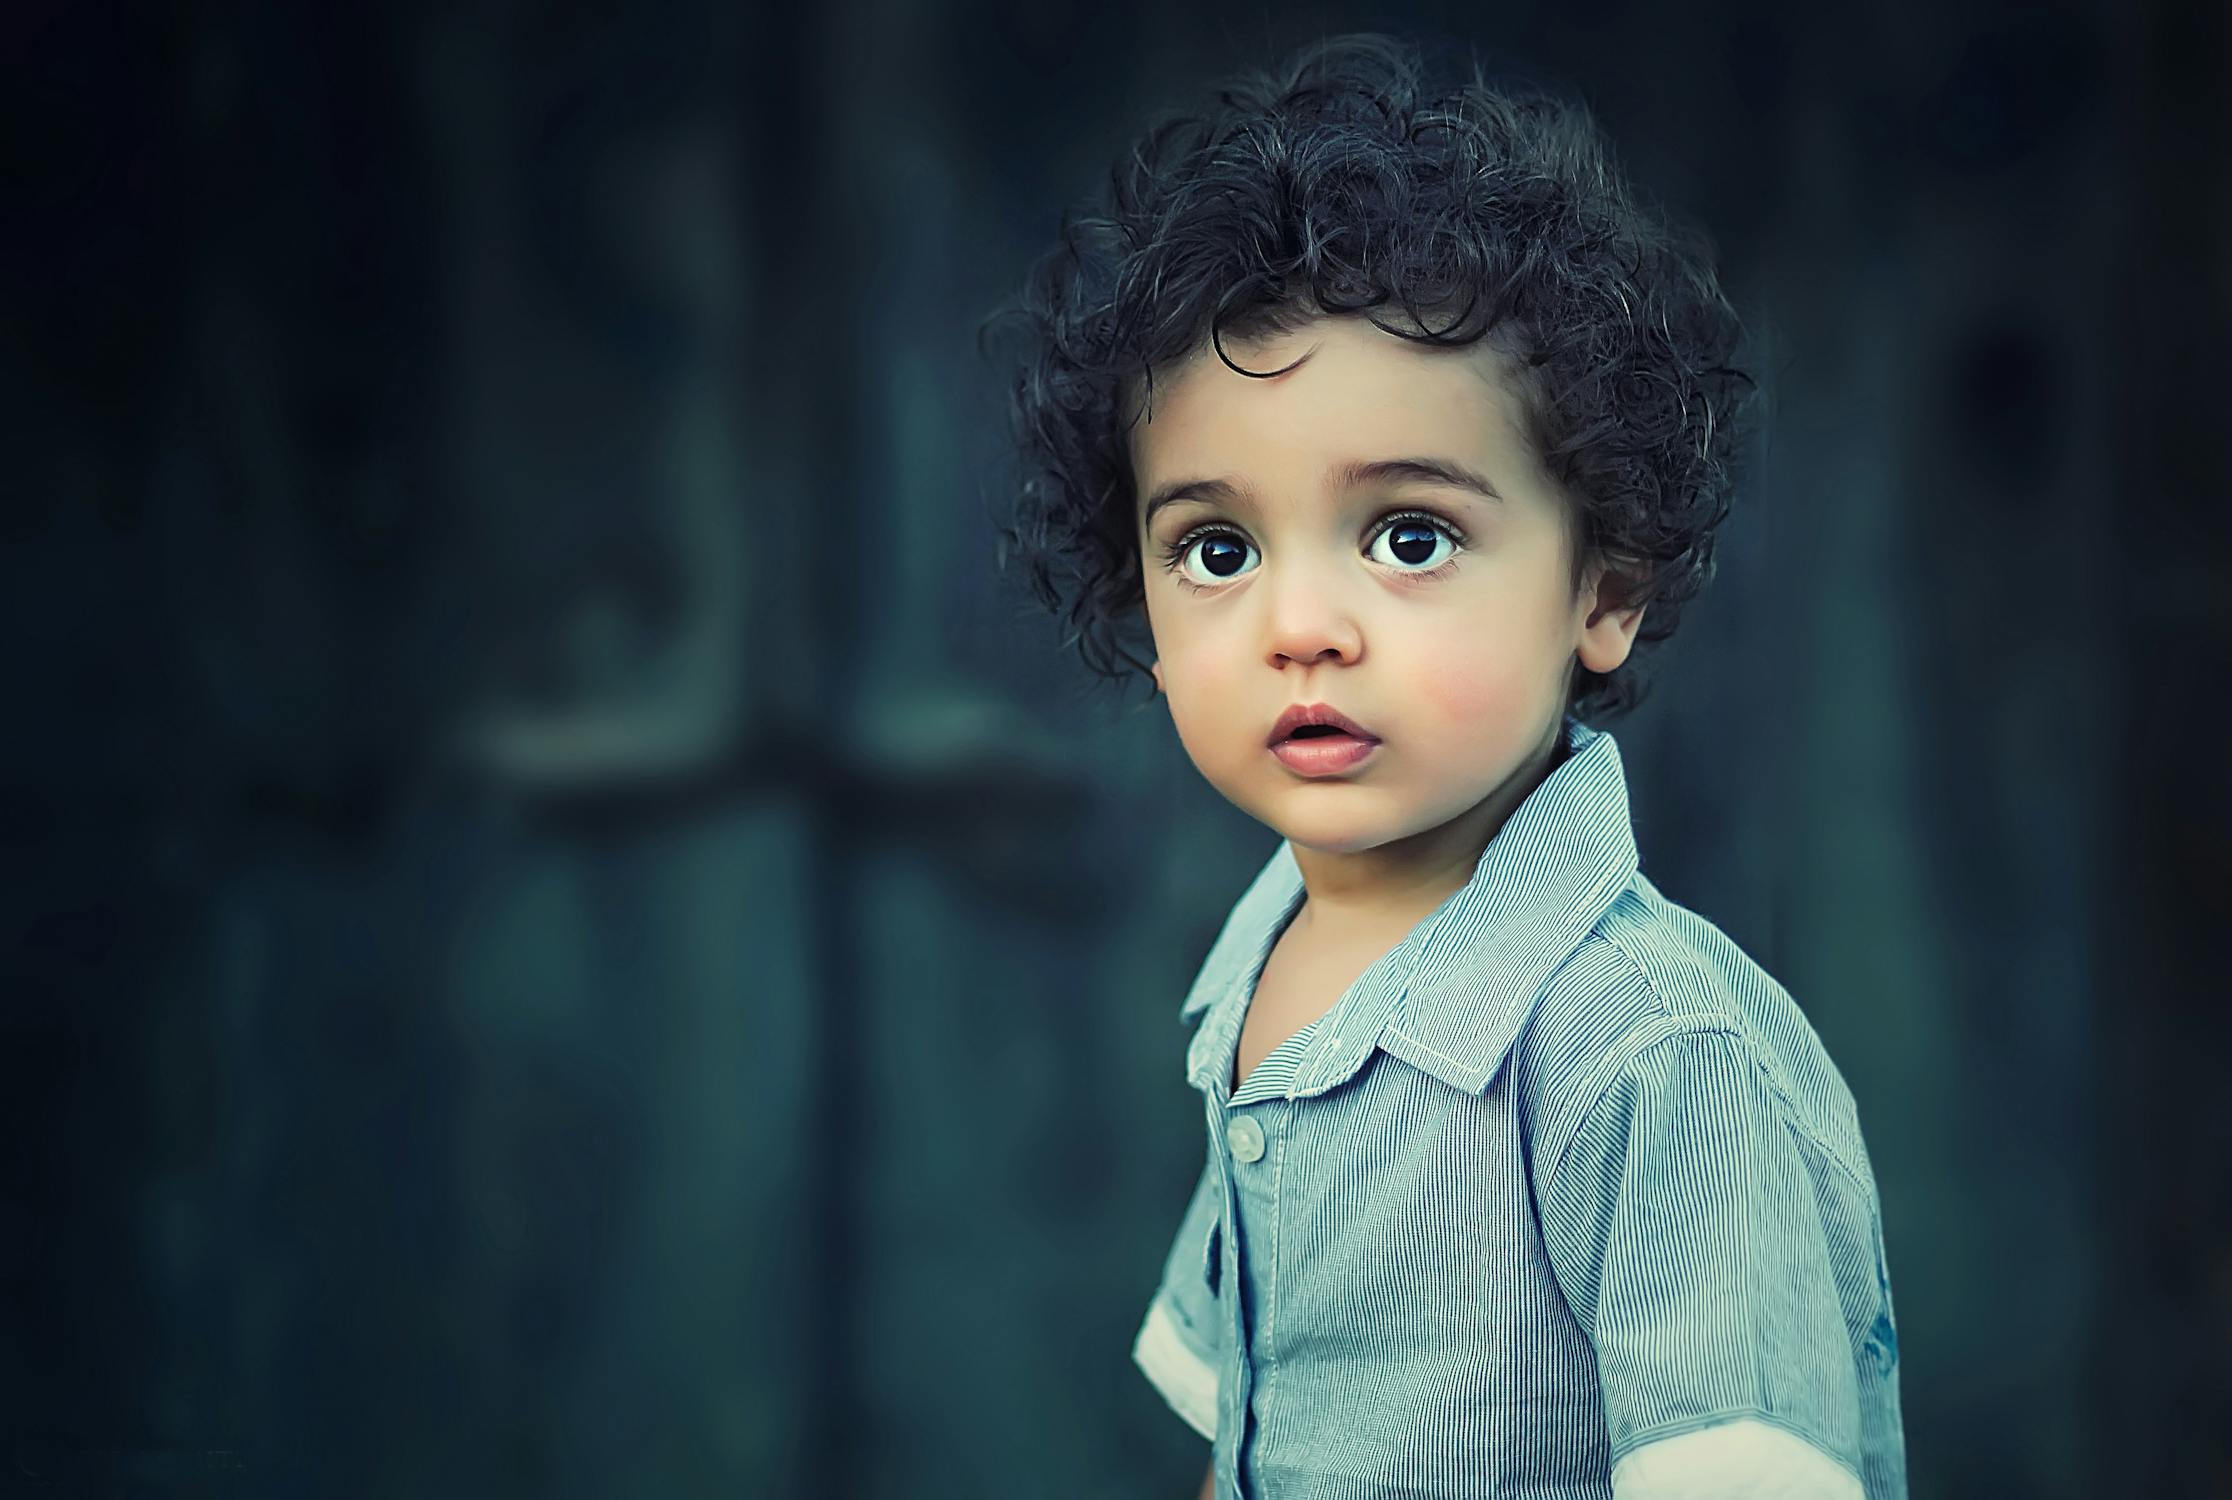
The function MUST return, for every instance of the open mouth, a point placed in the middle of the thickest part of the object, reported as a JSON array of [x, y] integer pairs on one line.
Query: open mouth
[[1323, 750], [1302, 723]]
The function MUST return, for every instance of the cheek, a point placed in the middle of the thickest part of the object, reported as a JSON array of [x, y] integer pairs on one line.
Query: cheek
[[1473, 692], [1195, 691], [1214, 739], [1197, 661], [1484, 672]]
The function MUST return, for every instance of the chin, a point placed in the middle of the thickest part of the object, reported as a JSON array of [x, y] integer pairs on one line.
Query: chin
[[1333, 834]]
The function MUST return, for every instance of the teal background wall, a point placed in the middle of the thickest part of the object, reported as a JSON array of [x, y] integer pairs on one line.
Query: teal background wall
[[566, 934]]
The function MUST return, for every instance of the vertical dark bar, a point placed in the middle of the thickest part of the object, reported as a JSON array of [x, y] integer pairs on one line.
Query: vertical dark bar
[[799, 195], [2165, 1309]]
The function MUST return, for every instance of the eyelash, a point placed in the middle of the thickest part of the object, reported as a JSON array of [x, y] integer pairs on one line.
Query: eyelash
[[1174, 554]]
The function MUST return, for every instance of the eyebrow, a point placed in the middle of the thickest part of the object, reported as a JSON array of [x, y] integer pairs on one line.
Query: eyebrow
[[1348, 476]]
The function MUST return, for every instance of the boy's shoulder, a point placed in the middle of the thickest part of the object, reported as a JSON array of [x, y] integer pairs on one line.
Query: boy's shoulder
[[1651, 969]]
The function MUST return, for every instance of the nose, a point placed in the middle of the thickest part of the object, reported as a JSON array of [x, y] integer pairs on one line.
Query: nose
[[1309, 621]]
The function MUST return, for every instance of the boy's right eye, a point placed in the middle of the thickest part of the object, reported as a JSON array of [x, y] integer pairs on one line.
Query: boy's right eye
[[1219, 555]]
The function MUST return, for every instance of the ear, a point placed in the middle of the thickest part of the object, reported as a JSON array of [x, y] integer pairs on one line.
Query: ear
[[1607, 623]]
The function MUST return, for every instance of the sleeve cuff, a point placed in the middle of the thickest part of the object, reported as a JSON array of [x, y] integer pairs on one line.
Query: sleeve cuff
[[1187, 1381], [1743, 1459]]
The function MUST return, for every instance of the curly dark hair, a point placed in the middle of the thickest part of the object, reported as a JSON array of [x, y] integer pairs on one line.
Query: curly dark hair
[[1336, 183]]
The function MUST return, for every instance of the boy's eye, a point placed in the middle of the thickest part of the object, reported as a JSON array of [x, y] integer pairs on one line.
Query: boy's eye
[[1410, 542], [1414, 542], [1222, 556]]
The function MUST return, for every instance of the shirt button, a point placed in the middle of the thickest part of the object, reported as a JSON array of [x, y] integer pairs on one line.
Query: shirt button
[[1245, 1137]]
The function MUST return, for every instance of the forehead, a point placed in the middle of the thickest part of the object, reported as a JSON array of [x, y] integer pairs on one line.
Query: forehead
[[1342, 384]]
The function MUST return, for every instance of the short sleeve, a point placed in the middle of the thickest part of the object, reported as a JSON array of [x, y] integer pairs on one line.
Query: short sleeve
[[1180, 1344], [1685, 1224]]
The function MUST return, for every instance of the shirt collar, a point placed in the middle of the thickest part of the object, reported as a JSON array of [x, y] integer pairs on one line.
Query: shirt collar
[[1452, 996]]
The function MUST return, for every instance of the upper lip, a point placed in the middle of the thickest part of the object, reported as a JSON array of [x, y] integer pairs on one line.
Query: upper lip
[[1316, 713]]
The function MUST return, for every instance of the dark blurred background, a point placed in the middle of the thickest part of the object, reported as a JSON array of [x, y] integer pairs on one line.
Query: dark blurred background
[[566, 934]]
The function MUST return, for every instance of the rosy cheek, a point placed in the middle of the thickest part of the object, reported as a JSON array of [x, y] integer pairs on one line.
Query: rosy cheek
[[1193, 704], [1471, 688]]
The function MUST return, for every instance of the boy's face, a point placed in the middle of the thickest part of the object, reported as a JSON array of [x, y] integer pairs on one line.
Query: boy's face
[[1451, 646]]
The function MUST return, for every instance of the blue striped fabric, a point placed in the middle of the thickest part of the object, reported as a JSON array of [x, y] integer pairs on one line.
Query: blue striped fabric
[[1561, 1197], [1274, 1073]]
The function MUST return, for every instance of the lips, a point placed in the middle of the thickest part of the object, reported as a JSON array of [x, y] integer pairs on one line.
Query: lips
[[1321, 755], [1306, 715]]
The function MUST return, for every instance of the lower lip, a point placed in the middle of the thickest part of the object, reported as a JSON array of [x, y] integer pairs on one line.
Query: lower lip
[[1323, 754]]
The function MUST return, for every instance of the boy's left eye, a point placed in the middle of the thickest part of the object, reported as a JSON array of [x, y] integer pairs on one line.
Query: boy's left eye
[[1412, 542]]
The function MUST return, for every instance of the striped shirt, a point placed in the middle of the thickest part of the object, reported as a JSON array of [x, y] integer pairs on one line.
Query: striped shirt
[[1562, 1198]]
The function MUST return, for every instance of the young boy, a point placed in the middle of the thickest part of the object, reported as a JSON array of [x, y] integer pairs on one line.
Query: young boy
[[1403, 428]]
